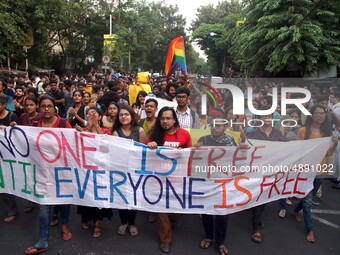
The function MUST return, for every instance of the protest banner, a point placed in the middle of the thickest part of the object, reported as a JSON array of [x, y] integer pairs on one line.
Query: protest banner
[[63, 166]]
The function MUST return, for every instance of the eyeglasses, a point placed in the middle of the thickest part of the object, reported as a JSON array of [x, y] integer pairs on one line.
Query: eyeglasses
[[48, 107], [166, 118], [319, 113], [181, 97], [124, 114]]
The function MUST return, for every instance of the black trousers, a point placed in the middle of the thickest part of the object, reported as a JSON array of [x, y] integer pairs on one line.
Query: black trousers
[[215, 227], [257, 212], [128, 216]]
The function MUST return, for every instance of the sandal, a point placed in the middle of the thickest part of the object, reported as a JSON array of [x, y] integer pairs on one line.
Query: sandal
[[206, 243], [8, 219], [256, 237], [122, 229], [54, 221], [133, 230], [222, 249], [85, 225], [97, 232], [35, 250], [66, 236]]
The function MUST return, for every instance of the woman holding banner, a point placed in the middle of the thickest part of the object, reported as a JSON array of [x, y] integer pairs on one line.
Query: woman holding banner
[[50, 119], [30, 118], [94, 214], [316, 126], [126, 126]]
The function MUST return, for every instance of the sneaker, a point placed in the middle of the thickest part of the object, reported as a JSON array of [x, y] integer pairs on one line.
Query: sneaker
[[319, 192], [282, 213], [316, 203], [165, 247], [288, 202]]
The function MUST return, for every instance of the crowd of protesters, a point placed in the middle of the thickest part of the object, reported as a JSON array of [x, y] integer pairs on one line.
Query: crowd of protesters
[[105, 104]]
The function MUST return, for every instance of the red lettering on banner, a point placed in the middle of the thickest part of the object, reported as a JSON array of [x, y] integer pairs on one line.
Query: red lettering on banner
[[264, 184], [235, 158], [224, 194], [211, 160], [285, 185], [298, 179], [253, 157], [191, 158], [65, 144], [243, 190], [37, 142], [274, 184], [85, 148]]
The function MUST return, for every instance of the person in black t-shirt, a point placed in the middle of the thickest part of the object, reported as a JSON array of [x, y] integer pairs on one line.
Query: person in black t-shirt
[[59, 97], [215, 227]]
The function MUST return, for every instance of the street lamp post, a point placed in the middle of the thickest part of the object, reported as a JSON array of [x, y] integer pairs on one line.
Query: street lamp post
[[213, 34]]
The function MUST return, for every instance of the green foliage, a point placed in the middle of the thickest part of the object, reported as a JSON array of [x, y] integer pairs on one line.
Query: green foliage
[[142, 31], [211, 31], [280, 36]]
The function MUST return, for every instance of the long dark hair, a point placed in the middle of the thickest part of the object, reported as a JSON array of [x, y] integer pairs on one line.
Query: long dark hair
[[142, 93], [98, 111], [132, 113], [158, 131], [326, 126]]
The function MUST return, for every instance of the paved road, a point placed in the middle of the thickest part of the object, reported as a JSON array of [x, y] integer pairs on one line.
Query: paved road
[[280, 236]]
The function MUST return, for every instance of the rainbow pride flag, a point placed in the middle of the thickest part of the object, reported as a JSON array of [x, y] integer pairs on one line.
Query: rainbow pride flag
[[176, 56]]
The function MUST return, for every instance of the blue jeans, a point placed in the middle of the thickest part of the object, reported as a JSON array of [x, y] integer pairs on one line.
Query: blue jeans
[[44, 222], [305, 205], [282, 203]]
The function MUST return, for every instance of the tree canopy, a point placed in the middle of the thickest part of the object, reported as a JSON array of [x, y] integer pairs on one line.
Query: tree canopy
[[279, 37], [142, 32]]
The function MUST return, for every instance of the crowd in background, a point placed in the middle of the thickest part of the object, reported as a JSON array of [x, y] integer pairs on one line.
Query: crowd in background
[[115, 104]]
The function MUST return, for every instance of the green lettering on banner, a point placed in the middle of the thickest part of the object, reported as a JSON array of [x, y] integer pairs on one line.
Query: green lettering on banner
[[35, 183], [25, 190], [2, 183], [12, 171]]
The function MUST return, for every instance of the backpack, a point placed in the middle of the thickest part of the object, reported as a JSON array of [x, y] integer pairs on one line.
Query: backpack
[[62, 123]]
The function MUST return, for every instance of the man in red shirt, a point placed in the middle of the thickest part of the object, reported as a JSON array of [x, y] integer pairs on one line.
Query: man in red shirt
[[167, 132]]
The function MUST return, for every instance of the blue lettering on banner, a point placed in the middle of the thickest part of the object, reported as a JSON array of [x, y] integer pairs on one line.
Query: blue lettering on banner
[[174, 162], [143, 168], [8, 146], [168, 187], [192, 193], [21, 141], [144, 188], [58, 181], [114, 186], [135, 187], [82, 190], [96, 186]]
